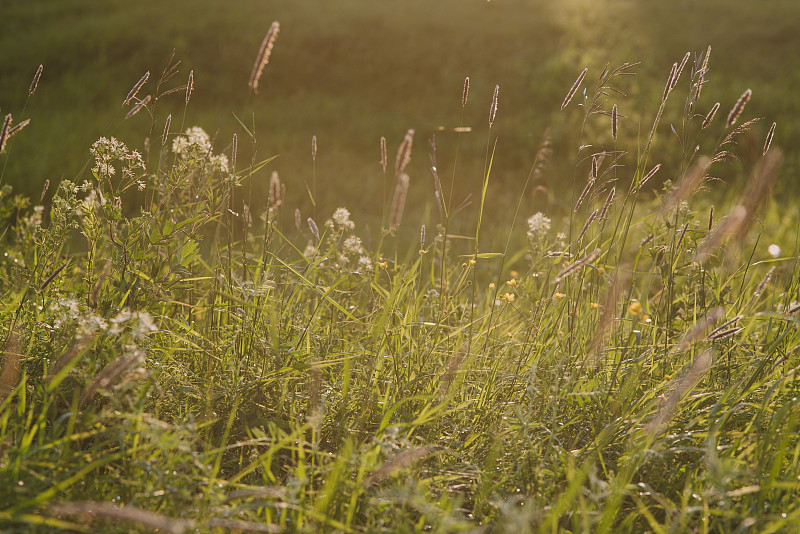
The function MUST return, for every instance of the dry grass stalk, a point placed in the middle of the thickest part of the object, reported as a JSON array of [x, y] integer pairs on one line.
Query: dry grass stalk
[[585, 192], [668, 86], [404, 153], [760, 185], [189, 87], [383, 154], [608, 306], [763, 285], [571, 269], [452, 368], [401, 461], [263, 55], [574, 89], [692, 179], [493, 107], [680, 69], [702, 77], [298, 219], [4, 131], [738, 108], [45, 187], [768, 140], [98, 285], [70, 355], [683, 386], [35, 81], [135, 89], [313, 227], [702, 328], [465, 93], [725, 333], [422, 237], [275, 191], [724, 326], [12, 365], [586, 225], [399, 200], [173, 90], [166, 130], [314, 148], [710, 116], [728, 226], [110, 373], [17, 128], [647, 177], [52, 277], [794, 309], [680, 239], [234, 151], [132, 514], [138, 107], [613, 122], [609, 200]]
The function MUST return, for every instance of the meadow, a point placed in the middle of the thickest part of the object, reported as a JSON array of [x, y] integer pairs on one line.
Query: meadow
[[481, 270]]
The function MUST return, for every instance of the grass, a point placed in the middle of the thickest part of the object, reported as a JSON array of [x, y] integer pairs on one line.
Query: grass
[[182, 350]]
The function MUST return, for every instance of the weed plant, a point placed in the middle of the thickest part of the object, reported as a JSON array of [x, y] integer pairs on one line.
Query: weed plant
[[179, 356]]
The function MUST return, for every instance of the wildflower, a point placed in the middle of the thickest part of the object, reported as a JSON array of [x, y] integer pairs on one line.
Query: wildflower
[[473, 262], [512, 283], [509, 297], [594, 305], [646, 318], [635, 307], [559, 296], [352, 245], [492, 286], [774, 250], [194, 147], [422, 251], [538, 225], [383, 265], [365, 263], [514, 274], [340, 220]]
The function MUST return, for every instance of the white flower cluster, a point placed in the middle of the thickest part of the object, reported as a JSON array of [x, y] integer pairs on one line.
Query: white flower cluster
[[340, 220], [194, 147], [538, 225], [107, 152]]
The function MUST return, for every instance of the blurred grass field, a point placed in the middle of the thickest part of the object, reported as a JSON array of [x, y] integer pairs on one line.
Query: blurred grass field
[[352, 71]]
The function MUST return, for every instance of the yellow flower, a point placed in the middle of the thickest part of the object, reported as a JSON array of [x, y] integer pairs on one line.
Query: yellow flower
[[383, 264], [514, 274], [635, 307], [646, 318], [492, 286], [422, 251], [512, 283], [472, 262], [559, 296], [594, 305], [509, 297]]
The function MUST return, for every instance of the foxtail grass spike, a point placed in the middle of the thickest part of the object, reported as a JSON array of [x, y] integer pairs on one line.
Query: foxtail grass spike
[[574, 89], [263, 55], [133, 92], [35, 81], [738, 108]]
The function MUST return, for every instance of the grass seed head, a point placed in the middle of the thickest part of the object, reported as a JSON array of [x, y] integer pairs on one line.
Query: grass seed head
[[35, 81], [574, 89], [738, 108], [263, 55]]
